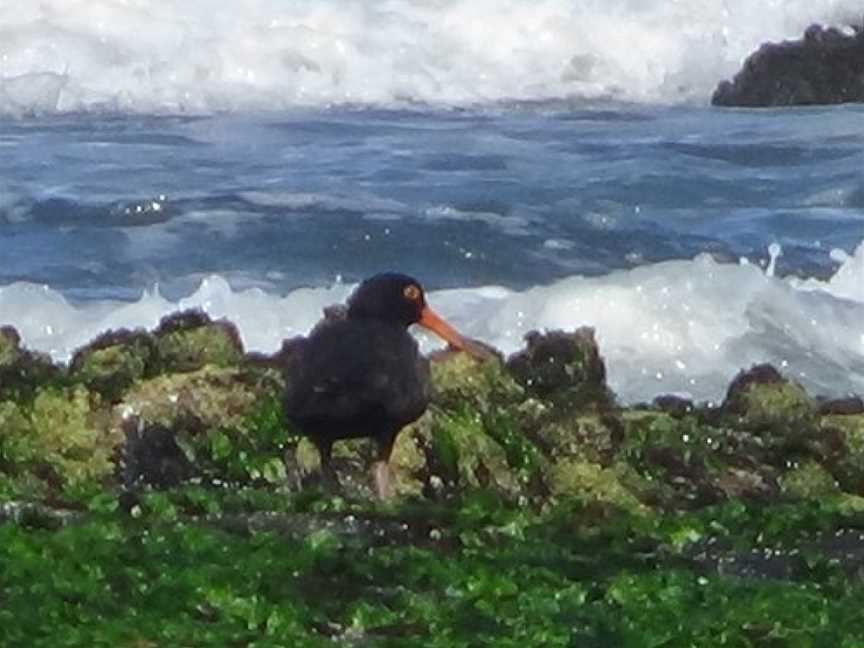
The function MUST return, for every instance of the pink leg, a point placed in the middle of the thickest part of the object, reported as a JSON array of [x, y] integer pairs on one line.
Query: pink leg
[[381, 471], [381, 467]]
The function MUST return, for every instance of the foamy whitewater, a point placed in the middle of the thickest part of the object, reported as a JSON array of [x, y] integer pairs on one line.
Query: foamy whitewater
[[682, 327], [537, 165], [200, 56]]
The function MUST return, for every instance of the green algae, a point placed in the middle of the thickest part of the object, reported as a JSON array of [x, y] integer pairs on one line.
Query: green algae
[[590, 482], [189, 340], [530, 510], [809, 480], [763, 401], [500, 576], [22, 372], [113, 362], [59, 443]]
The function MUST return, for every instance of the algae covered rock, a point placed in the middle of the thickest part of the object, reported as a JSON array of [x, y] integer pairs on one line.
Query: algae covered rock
[[464, 454], [58, 443], [112, 362], [190, 340], [563, 367], [457, 379], [22, 371], [227, 421], [809, 480], [849, 468], [151, 456], [590, 482], [761, 398], [589, 435], [10, 345], [690, 464]]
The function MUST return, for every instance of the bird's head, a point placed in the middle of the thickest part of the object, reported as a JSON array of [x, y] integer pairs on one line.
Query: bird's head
[[398, 298]]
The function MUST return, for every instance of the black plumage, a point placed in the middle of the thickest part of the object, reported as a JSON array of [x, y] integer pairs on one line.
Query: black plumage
[[360, 374]]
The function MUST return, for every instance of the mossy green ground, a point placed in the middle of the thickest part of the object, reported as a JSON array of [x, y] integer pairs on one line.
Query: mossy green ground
[[473, 572], [151, 495]]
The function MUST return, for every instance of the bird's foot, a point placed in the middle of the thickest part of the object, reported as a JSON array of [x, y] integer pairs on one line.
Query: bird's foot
[[326, 480]]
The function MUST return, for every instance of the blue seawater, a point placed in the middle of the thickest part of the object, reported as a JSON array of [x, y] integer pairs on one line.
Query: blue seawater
[[535, 165]]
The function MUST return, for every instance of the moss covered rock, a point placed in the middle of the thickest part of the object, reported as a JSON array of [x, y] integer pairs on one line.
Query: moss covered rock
[[22, 371], [592, 483], [10, 345], [692, 464], [762, 399], [59, 444], [763, 402], [227, 421], [190, 340], [458, 378], [563, 367], [465, 455], [591, 436], [809, 480], [848, 468], [112, 362]]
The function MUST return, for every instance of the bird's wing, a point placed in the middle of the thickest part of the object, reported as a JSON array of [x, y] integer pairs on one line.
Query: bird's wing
[[347, 373]]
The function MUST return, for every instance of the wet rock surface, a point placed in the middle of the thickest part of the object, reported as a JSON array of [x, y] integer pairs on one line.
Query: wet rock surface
[[138, 409], [525, 497], [179, 429], [825, 66], [563, 367]]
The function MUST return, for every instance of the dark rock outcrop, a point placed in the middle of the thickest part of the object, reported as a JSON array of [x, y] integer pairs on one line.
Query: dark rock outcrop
[[826, 66], [190, 340], [150, 456], [21, 371], [562, 367], [112, 362]]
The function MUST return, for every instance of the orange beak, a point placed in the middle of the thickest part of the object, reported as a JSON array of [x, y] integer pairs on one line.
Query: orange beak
[[430, 320]]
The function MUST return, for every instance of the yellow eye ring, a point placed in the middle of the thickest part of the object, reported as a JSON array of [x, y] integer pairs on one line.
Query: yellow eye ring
[[411, 292]]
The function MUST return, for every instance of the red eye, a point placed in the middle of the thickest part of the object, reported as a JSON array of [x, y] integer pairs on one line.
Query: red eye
[[411, 292]]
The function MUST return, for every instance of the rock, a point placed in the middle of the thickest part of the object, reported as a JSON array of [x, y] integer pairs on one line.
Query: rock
[[60, 444], [115, 360], [466, 455], [227, 421], [673, 405], [808, 480], [22, 371], [687, 463], [591, 482], [848, 468], [10, 345], [150, 456], [190, 340], [781, 413], [563, 367], [589, 436], [458, 380], [842, 406], [761, 398], [826, 66]]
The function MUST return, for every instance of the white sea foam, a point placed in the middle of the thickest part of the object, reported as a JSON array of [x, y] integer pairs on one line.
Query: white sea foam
[[680, 326], [201, 56]]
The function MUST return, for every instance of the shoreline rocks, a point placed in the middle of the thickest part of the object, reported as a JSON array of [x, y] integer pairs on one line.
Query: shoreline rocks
[[141, 410], [825, 66]]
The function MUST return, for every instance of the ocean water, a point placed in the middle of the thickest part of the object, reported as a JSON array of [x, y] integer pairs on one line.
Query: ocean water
[[535, 164]]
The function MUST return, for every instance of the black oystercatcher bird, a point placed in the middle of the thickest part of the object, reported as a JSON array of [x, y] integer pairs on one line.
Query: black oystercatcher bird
[[361, 374]]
